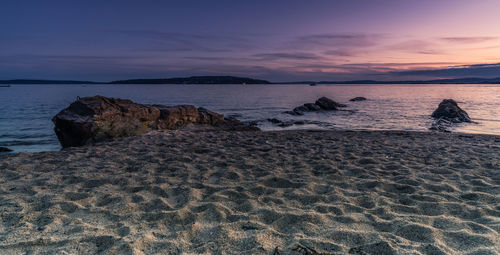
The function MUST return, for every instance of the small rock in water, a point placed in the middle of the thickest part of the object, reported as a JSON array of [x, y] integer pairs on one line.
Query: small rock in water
[[322, 104], [448, 113], [299, 110], [312, 107], [4, 149], [285, 124], [274, 120], [357, 99], [327, 104], [449, 110]]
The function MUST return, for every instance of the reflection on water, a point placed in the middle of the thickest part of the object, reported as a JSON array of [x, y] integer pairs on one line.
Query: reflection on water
[[26, 110]]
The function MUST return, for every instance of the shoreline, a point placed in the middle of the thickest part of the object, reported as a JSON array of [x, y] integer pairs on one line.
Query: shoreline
[[299, 130], [202, 191]]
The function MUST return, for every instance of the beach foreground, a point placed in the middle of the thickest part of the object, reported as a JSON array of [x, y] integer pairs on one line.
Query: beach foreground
[[216, 192]]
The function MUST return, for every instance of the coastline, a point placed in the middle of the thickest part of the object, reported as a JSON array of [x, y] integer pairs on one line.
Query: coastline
[[205, 191]]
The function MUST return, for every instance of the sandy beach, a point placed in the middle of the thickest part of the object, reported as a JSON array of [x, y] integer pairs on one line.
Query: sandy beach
[[287, 192]]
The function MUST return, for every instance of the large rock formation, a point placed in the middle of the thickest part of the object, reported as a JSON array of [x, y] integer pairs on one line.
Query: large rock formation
[[98, 118], [448, 113], [322, 103]]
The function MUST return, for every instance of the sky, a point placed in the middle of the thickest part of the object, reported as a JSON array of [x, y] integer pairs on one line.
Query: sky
[[279, 41]]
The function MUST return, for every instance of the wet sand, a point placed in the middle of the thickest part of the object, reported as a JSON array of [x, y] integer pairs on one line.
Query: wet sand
[[214, 192]]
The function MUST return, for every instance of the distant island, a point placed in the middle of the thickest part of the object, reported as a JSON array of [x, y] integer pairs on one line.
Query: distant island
[[243, 80], [47, 82], [195, 80]]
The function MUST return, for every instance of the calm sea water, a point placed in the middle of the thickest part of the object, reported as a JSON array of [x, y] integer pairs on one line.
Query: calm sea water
[[26, 110]]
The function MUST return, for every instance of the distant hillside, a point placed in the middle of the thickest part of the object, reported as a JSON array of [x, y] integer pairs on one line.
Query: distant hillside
[[46, 82], [195, 80], [242, 80]]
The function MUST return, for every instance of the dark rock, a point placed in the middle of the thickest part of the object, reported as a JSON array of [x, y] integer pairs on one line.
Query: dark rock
[[449, 110], [294, 113], [297, 122], [322, 103], [312, 107], [232, 124], [274, 120], [252, 123], [3, 149], [93, 119], [357, 99], [448, 113], [285, 124], [327, 104], [299, 110], [441, 125]]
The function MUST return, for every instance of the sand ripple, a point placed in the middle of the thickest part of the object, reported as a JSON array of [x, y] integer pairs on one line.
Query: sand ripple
[[195, 192]]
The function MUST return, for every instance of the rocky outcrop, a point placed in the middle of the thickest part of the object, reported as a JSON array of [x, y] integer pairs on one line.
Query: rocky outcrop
[[449, 110], [357, 99], [98, 118], [448, 113], [328, 104], [321, 104]]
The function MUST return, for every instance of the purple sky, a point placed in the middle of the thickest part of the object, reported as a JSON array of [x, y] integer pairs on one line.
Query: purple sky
[[275, 40]]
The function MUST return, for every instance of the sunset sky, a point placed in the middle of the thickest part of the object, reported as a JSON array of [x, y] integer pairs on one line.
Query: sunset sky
[[275, 40]]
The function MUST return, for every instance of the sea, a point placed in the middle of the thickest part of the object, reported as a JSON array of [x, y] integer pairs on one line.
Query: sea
[[26, 110]]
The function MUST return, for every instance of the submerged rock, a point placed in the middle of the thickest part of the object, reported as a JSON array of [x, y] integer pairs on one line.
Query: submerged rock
[[97, 118], [299, 110], [448, 113], [322, 103], [289, 123], [357, 99], [4, 149], [274, 120], [441, 125]]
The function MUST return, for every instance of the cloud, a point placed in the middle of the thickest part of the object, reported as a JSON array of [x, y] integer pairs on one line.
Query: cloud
[[469, 40], [160, 41], [292, 56], [479, 70], [341, 53], [417, 47], [336, 40]]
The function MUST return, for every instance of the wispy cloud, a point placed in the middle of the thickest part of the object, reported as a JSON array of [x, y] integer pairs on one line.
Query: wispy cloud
[[182, 42], [337, 40], [342, 52], [292, 56], [417, 47], [469, 40], [479, 70]]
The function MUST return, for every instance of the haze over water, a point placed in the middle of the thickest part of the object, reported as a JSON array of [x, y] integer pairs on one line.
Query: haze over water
[[26, 112]]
